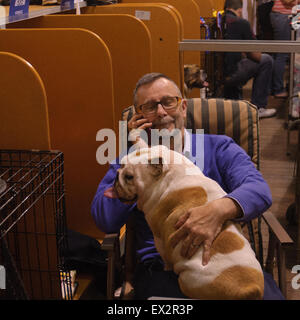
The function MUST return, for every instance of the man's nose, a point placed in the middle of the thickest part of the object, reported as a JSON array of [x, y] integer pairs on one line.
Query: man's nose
[[161, 111]]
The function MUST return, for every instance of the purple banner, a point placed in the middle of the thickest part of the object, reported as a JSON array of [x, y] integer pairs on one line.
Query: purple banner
[[67, 4], [18, 7]]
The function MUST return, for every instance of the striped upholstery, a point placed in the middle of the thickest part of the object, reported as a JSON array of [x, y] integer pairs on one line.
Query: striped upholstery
[[236, 119]]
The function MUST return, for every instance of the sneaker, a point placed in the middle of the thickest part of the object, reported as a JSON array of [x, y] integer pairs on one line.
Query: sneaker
[[266, 113]]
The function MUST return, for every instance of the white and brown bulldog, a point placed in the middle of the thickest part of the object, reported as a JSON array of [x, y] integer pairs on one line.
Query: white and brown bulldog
[[164, 190]]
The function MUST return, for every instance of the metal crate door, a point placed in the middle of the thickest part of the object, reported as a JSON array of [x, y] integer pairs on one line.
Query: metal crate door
[[33, 225]]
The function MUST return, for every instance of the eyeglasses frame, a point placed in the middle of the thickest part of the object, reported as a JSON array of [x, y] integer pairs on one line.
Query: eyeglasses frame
[[179, 100]]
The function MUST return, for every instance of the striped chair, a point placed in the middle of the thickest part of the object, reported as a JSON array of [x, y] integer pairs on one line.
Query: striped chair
[[238, 120]]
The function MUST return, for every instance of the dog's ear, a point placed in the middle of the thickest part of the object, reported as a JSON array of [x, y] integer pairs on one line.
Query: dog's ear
[[186, 70], [157, 166]]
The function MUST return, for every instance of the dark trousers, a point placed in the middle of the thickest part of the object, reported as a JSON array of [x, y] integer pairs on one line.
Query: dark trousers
[[152, 281], [282, 31], [261, 72]]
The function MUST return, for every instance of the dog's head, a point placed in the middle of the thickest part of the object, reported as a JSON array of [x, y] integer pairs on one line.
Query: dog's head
[[147, 172], [133, 180], [138, 172], [194, 77]]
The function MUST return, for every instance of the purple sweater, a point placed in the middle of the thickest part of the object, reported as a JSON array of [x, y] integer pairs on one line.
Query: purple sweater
[[224, 162]]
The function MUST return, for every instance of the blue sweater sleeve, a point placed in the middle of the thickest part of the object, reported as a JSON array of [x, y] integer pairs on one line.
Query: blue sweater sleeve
[[225, 162], [109, 214], [244, 183]]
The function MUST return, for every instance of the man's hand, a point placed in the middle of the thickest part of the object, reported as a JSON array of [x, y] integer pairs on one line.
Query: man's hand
[[135, 125], [201, 225], [138, 122], [254, 56]]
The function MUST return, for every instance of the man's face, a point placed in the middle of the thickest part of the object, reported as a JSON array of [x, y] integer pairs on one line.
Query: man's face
[[162, 119]]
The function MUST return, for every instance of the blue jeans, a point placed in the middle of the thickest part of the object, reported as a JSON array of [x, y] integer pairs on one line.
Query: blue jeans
[[281, 31], [247, 69]]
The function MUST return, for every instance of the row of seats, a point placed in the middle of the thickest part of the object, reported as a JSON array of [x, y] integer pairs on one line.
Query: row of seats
[[64, 77]]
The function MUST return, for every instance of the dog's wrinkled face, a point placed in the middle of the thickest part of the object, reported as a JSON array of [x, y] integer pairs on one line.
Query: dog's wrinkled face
[[125, 186], [194, 77], [136, 176]]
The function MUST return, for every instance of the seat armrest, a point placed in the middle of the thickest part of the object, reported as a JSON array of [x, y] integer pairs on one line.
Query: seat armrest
[[109, 241], [110, 244], [278, 241], [279, 232], [114, 244]]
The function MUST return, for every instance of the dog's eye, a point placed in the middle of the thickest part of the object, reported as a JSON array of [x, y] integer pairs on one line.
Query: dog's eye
[[128, 177]]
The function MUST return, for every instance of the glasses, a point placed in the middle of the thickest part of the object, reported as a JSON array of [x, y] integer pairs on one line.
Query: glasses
[[168, 103]]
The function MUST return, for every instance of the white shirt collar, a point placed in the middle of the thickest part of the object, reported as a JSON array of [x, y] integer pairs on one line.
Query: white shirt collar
[[187, 143]]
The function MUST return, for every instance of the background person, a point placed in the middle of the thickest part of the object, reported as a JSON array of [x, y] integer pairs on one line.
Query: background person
[[239, 68], [281, 31]]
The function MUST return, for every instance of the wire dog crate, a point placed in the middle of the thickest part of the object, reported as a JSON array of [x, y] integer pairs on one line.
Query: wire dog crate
[[212, 61], [33, 225]]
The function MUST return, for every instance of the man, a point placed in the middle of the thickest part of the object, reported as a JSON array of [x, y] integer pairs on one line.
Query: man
[[240, 67], [159, 104], [281, 24]]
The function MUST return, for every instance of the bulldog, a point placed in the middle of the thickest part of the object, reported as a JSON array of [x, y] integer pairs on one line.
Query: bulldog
[[165, 184]]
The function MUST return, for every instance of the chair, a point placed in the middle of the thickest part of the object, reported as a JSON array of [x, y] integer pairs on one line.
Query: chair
[[239, 120]]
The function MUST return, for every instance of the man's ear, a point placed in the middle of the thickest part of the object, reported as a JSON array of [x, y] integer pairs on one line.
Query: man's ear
[[157, 166], [184, 107]]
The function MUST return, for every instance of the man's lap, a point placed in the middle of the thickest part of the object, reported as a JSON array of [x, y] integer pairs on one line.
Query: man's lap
[[152, 280]]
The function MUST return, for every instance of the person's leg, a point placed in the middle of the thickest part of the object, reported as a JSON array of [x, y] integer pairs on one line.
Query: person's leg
[[151, 280], [262, 74], [246, 69], [262, 81], [264, 23], [233, 83], [281, 31], [271, 290], [232, 92]]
